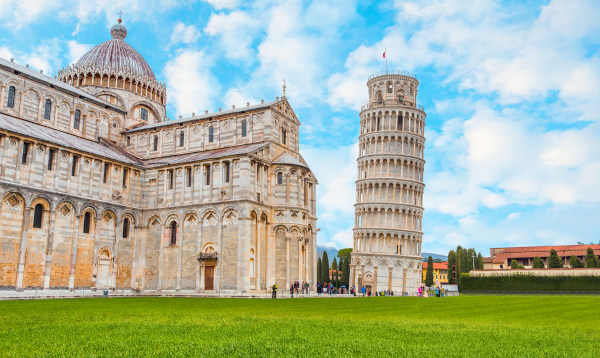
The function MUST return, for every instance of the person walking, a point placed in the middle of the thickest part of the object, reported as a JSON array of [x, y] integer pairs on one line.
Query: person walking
[[274, 291], [292, 290], [437, 291], [364, 290]]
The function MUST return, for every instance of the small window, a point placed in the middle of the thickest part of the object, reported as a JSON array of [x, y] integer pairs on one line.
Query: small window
[[189, 177], [173, 233], [51, 158], [226, 172], [283, 136], [258, 197], [37, 216], [280, 178], [106, 172], [125, 177], [211, 134], [47, 109], [11, 97], [77, 119], [155, 143], [389, 87], [244, 127], [207, 174], [171, 178], [181, 138], [25, 152], [128, 141], [125, 228], [74, 165], [144, 114], [86, 222]]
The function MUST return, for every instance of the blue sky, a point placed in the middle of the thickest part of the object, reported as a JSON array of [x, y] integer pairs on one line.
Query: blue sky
[[511, 91]]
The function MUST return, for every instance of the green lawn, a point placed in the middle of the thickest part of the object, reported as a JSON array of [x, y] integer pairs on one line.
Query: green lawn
[[478, 326]]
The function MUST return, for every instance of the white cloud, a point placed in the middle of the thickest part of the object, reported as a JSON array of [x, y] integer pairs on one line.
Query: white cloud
[[76, 50], [223, 4], [190, 85], [5, 52], [184, 34], [236, 30]]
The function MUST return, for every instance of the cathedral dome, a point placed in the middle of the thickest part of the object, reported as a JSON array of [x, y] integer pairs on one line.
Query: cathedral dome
[[116, 56]]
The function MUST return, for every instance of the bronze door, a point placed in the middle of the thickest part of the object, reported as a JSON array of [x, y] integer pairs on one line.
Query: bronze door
[[209, 277]]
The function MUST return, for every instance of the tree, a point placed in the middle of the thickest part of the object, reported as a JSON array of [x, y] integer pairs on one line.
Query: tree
[[451, 262], [319, 270], [554, 261], [575, 262], [345, 253], [346, 272], [591, 260], [479, 262], [514, 264], [429, 274], [334, 275], [325, 268], [538, 263], [470, 260]]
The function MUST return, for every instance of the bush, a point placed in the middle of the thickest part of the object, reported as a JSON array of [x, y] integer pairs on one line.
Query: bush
[[538, 263], [575, 262], [530, 283], [554, 260], [591, 260]]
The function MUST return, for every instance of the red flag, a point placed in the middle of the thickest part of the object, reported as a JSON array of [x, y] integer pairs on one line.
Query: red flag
[[383, 54]]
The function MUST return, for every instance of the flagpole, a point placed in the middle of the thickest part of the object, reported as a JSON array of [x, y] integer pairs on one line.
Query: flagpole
[[385, 52]]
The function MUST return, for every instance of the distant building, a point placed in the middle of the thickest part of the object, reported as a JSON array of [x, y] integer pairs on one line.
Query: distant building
[[500, 258], [440, 272]]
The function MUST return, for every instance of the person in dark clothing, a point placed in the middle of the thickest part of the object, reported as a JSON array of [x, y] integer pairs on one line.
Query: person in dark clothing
[[274, 291]]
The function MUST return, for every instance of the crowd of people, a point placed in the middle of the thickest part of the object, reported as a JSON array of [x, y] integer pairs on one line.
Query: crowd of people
[[440, 291], [329, 288]]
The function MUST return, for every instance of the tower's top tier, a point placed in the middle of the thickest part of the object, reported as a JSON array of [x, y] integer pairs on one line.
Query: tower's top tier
[[394, 88]]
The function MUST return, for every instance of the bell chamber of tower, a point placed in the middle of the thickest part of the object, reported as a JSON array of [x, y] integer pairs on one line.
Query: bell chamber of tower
[[389, 188]]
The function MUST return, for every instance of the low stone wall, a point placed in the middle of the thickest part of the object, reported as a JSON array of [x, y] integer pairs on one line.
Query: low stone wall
[[538, 272]]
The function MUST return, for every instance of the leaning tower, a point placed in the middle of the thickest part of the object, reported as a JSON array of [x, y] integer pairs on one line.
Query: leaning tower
[[389, 187]]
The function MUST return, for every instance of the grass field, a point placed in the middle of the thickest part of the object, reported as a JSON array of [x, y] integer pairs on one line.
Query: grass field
[[482, 326]]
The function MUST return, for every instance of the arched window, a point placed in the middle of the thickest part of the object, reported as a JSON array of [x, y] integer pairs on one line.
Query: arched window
[[125, 228], [173, 233], [279, 178], [244, 127], [379, 97], [155, 142], [378, 123], [77, 118], [399, 124], [211, 134], [11, 97], [47, 109], [37, 216], [389, 87], [86, 222], [181, 138], [283, 136]]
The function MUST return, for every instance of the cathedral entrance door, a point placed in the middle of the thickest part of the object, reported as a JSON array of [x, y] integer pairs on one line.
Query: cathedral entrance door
[[103, 271], [209, 277]]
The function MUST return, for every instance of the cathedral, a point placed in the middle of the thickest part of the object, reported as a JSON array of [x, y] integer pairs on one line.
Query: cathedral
[[101, 191]]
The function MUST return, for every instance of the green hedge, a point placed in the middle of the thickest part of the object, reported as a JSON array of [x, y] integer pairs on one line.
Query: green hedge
[[529, 283]]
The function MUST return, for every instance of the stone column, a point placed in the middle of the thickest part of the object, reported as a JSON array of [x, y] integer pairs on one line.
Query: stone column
[[22, 247], [375, 278], [300, 259], [21, 102], [2, 89], [74, 251], [287, 261], [49, 249], [257, 260]]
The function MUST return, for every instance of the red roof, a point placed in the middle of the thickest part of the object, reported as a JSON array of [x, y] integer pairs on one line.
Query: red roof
[[437, 265], [488, 260], [542, 251]]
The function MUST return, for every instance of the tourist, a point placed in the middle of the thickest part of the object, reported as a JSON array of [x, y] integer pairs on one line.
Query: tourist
[[420, 294], [437, 291], [319, 288], [274, 291], [292, 290], [364, 290], [442, 291]]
